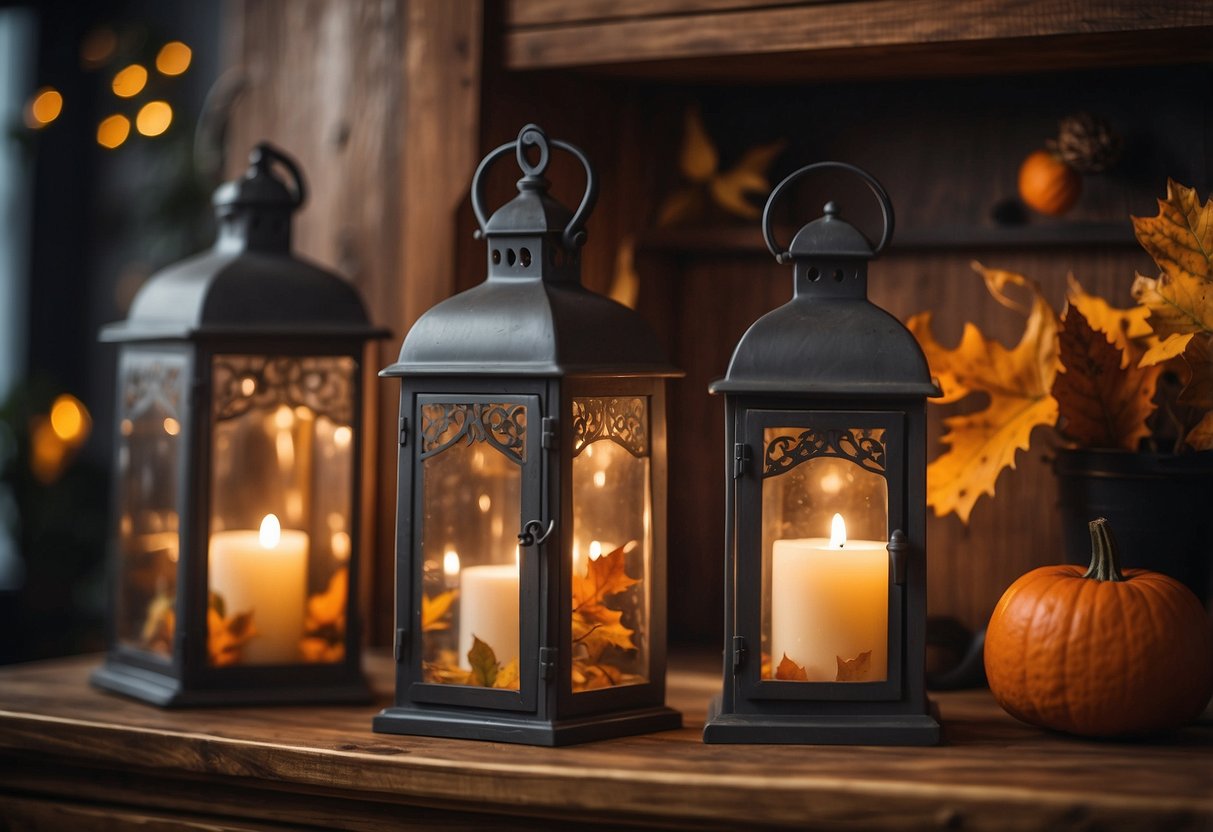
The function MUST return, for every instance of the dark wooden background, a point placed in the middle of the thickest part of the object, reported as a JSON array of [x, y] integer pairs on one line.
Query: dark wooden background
[[389, 106]]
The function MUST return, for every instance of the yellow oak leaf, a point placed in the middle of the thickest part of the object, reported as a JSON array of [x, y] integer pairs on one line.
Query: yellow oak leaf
[[789, 671], [854, 670], [1017, 381], [1102, 403], [435, 611], [698, 158], [1180, 239], [1127, 328]]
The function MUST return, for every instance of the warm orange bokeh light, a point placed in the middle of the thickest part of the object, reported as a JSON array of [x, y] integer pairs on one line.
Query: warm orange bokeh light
[[154, 118], [45, 108], [70, 419], [174, 58], [130, 81], [113, 131]]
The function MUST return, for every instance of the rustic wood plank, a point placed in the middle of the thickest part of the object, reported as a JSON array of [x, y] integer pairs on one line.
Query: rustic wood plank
[[1099, 26], [993, 773], [547, 12]]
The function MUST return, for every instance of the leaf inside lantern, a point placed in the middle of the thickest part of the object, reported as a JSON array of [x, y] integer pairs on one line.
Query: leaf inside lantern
[[226, 636], [436, 611], [789, 671], [484, 664], [854, 670]]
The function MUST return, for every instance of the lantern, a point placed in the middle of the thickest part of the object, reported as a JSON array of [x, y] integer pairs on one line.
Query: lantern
[[237, 468], [531, 513], [825, 440]]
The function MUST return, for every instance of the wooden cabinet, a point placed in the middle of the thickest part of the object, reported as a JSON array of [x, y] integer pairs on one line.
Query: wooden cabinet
[[390, 106]]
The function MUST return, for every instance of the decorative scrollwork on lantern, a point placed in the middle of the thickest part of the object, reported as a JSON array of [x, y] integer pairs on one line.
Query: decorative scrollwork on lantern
[[153, 382], [501, 425], [323, 384], [623, 420], [863, 447]]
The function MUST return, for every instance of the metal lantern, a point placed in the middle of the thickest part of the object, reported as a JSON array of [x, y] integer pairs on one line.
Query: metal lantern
[[825, 441], [237, 468], [531, 515]]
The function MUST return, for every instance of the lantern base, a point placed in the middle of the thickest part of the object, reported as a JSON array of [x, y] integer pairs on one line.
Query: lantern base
[[806, 729], [168, 692], [502, 728]]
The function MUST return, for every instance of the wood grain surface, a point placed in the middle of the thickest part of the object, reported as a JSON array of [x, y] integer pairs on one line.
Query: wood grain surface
[[323, 767]]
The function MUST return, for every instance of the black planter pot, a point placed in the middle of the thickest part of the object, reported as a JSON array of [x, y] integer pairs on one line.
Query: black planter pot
[[1160, 507]]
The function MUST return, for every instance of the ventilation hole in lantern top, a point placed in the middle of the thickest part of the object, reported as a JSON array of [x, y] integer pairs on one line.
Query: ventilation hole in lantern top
[[813, 274], [524, 257], [509, 256], [496, 257], [838, 275]]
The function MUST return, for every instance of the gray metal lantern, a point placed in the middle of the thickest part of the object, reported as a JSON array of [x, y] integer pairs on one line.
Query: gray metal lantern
[[237, 468], [531, 514], [825, 442]]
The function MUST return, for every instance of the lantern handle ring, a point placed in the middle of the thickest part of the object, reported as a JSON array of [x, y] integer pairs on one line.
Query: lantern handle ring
[[783, 255], [264, 155], [534, 534], [574, 235]]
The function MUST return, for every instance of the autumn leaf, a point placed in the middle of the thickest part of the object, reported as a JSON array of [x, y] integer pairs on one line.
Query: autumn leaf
[[327, 609], [1128, 328], [226, 636], [596, 625], [1101, 402], [435, 611], [625, 285], [733, 189], [159, 625], [507, 677], [1180, 300], [789, 671], [1198, 391], [484, 664], [854, 670], [698, 158], [1201, 436], [1017, 381]]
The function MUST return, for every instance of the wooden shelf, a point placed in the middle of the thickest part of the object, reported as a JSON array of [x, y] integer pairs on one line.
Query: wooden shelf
[[70, 755], [739, 40]]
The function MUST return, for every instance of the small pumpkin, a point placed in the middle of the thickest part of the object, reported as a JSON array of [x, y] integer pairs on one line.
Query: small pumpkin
[[1047, 184], [1100, 653]]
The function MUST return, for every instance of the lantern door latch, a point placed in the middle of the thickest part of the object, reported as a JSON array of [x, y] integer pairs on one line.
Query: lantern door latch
[[547, 663], [899, 552], [549, 437], [738, 652], [533, 533], [741, 457], [404, 431], [398, 645]]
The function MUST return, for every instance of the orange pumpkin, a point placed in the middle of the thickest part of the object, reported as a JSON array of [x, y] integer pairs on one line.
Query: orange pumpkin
[[1100, 653], [1047, 184]]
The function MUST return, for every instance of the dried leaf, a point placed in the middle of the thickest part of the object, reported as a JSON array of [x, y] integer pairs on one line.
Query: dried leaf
[[436, 611], [327, 609], [596, 625], [854, 670], [1201, 436], [1180, 239], [982, 444], [507, 677], [604, 576], [484, 664], [1127, 328], [789, 671], [1198, 392], [159, 625], [1101, 402], [226, 637], [698, 159], [732, 190], [683, 205]]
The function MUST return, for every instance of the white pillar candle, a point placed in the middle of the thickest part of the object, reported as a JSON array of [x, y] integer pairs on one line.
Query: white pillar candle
[[263, 572], [829, 600], [488, 610]]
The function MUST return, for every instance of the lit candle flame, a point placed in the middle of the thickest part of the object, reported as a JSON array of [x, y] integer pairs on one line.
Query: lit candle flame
[[595, 550], [450, 563], [838, 532], [271, 531]]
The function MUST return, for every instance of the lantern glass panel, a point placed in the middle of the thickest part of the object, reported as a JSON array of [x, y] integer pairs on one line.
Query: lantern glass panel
[[282, 482], [472, 457], [150, 458], [612, 542], [825, 584]]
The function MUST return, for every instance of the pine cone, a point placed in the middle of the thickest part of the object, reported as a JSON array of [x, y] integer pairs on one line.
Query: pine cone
[[1086, 143]]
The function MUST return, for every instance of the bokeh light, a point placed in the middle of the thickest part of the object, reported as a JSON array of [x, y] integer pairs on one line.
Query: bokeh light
[[44, 108], [154, 118], [98, 47], [130, 81], [174, 58], [69, 419], [112, 132]]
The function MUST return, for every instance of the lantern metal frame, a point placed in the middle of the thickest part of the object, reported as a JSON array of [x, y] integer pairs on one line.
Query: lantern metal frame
[[825, 363], [530, 334], [247, 296]]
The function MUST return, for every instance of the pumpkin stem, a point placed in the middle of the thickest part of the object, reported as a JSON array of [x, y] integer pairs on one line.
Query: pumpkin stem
[[1104, 564]]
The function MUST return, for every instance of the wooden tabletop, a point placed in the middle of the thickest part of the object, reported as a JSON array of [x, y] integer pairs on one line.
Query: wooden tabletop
[[70, 755]]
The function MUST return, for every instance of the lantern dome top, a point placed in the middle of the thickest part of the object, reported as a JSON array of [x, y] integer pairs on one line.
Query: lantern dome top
[[829, 340], [532, 316], [249, 283]]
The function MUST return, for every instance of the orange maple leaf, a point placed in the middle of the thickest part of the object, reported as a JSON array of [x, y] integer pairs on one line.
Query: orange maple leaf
[[596, 625], [854, 670], [1102, 403], [789, 671], [435, 612]]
